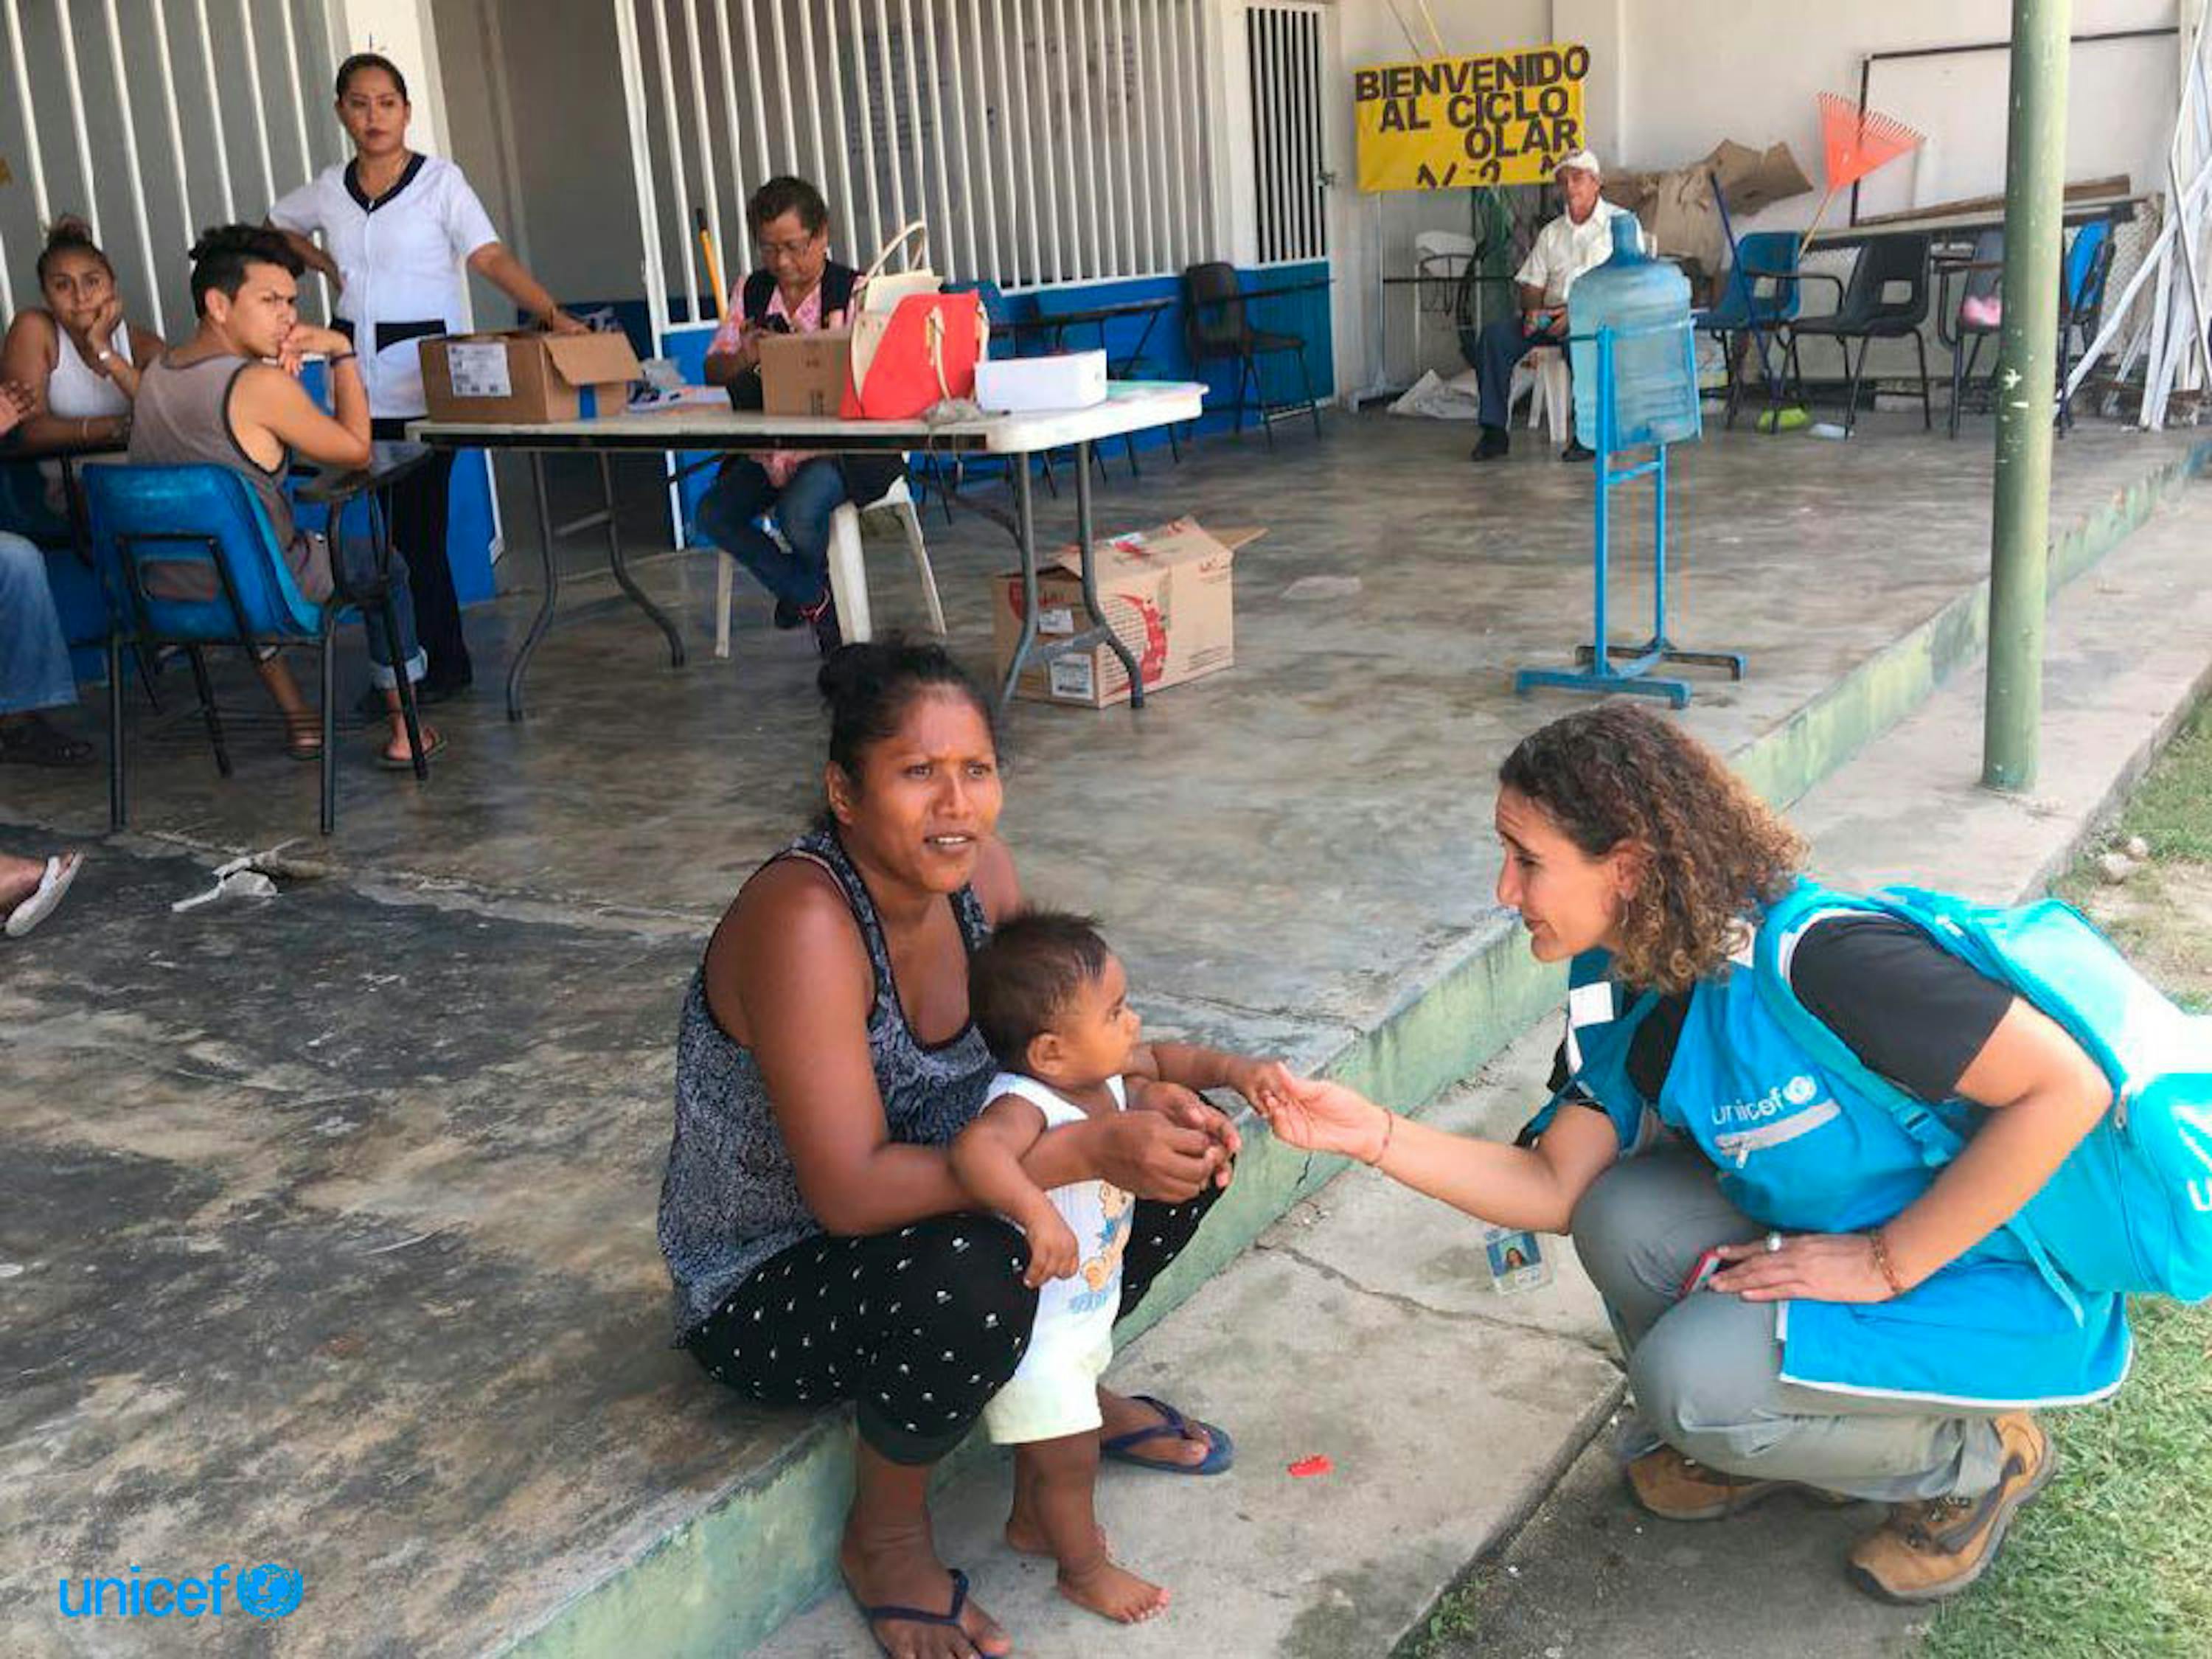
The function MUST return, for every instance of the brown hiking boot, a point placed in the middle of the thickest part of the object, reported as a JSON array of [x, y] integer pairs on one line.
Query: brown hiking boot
[[1677, 1488], [1935, 1548]]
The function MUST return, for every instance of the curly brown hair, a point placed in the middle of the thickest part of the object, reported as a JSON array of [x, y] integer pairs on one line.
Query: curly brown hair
[[1713, 851]]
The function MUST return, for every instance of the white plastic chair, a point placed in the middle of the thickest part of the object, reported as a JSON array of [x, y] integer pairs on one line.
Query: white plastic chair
[[848, 571], [1542, 376]]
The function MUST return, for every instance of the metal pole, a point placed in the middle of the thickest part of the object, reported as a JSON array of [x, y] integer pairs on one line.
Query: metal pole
[[2035, 162], [1606, 415]]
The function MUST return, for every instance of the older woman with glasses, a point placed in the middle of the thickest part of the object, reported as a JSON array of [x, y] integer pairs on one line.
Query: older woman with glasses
[[798, 289]]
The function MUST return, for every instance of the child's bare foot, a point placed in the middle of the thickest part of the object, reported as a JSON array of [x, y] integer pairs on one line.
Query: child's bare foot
[[1025, 1533], [1114, 1593]]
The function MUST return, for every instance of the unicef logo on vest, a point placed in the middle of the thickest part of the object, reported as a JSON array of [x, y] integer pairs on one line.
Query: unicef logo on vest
[[1798, 1091]]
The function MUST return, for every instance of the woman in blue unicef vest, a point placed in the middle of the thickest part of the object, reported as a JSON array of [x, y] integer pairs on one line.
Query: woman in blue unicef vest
[[1864, 1326]]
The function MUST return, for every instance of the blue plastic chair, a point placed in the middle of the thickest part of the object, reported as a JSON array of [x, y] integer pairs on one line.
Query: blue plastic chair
[[206, 516], [1757, 294], [2081, 302]]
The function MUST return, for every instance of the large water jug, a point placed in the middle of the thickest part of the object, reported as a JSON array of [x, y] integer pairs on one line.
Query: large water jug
[[1646, 303]]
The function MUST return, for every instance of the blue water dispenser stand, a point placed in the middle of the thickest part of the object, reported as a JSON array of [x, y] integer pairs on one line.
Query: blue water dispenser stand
[[1608, 667]]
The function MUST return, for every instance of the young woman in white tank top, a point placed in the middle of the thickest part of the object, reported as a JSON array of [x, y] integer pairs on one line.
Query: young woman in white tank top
[[80, 359]]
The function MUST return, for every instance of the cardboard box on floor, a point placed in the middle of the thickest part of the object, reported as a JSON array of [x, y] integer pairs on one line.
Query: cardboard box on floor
[[523, 375], [806, 373], [1165, 592]]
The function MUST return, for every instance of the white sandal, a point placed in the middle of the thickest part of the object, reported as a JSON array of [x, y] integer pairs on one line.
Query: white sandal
[[60, 871]]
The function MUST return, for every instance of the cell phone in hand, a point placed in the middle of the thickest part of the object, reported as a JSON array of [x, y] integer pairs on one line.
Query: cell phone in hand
[[1709, 1263]]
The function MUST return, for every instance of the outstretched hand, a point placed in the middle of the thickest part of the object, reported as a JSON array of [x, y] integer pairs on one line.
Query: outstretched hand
[[1266, 1083], [1317, 1115]]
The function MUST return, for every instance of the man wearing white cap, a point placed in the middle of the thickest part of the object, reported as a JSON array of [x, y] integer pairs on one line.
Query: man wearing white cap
[[1579, 240]]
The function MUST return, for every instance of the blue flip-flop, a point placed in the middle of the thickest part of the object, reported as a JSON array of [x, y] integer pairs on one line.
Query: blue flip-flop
[[904, 1615], [1220, 1450]]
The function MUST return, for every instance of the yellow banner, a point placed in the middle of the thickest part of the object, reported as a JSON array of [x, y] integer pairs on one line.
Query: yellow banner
[[1448, 123]]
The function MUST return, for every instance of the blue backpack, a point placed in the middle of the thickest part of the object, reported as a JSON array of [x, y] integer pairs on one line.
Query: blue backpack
[[2131, 1209]]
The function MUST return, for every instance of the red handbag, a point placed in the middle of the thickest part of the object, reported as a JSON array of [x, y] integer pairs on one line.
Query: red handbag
[[917, 349]]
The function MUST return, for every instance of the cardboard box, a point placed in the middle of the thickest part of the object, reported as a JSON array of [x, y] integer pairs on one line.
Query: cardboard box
[[1678, 207], [806, 373], [1165, 592], [523, 375], [1067, 380]]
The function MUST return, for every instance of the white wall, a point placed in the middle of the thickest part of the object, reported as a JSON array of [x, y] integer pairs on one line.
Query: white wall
[[1722, 67], [534, 97], [1670, 78]]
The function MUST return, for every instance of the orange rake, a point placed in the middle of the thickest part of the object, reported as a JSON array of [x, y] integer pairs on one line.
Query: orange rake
[[1856, 142]]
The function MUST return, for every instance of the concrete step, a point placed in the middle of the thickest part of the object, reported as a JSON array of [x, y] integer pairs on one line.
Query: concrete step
[[1362, 1326]]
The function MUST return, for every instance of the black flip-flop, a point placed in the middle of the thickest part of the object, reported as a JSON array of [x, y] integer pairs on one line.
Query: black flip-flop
[[1220, 1450], [892, 1611]]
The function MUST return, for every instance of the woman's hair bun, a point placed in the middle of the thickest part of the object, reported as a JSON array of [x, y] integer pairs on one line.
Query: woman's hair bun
[[867, 686], [70, 230]]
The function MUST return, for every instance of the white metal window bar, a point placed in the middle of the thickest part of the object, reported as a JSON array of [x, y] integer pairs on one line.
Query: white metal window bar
[[1285, 46], [104, 75], [1047, 142]]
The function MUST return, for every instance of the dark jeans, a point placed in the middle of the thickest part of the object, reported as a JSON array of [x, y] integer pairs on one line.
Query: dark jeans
[[353, 568], [1501, 345], [420, 503], [918, 1328], [741, 493]]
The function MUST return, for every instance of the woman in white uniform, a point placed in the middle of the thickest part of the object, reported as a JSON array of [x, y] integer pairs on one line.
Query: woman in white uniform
[[79, 357], [397, 226]]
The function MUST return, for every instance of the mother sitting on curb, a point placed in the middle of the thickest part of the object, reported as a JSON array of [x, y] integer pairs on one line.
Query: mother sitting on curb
[[821, 1249], [1871, 1331]]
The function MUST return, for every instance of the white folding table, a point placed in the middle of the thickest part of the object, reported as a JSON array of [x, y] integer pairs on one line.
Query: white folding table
[[1130, 406]]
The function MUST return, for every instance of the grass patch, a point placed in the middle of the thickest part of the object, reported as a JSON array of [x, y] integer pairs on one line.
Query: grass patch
[[2111, 1559], [2116, 1559], [2172, 808]]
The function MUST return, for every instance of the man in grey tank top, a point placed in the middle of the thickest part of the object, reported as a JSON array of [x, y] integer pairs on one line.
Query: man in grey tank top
[[231, 396]]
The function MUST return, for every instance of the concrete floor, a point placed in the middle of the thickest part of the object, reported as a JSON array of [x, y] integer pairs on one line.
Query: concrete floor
[[333, 1215]]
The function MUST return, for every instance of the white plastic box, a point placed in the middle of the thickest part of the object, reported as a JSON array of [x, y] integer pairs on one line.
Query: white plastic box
[[1019, 385]]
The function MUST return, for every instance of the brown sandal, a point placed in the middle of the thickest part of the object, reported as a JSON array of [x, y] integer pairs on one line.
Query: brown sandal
[[303, 737]]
